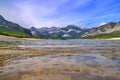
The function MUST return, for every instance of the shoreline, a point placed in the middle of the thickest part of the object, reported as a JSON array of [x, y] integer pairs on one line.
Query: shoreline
[[115, 38], [2, 37]]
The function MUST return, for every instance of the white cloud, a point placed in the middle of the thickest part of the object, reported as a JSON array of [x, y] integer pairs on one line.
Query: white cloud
[[38, 14], [102, 24]]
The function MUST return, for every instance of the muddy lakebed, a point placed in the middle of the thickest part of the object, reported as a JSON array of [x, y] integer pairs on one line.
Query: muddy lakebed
[[59, 59]]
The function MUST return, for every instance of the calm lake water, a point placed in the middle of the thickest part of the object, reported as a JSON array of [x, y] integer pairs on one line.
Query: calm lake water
[[85, 60]]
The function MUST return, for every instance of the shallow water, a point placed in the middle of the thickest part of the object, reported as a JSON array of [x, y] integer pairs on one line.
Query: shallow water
[[71, 44], [99, 59]]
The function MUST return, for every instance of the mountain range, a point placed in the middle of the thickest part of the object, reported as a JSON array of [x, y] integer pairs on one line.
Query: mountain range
[[108, 30], [69, 32]]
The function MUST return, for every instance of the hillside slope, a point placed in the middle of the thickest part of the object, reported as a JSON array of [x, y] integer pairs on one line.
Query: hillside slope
[[12, 29], [109, 30]]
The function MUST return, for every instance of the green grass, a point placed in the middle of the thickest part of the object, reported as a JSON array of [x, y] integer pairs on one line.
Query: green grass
[[14, 34], [19, 35]]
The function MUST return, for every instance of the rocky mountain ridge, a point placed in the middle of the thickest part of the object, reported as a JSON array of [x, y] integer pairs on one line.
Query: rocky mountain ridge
[[103, 29], [71, 31]]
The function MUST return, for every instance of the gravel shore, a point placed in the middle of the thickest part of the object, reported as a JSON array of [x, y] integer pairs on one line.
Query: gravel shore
[[3, 37]]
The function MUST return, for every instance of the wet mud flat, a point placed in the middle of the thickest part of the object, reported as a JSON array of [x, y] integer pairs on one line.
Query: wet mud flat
[[66, 66], [60, 60]]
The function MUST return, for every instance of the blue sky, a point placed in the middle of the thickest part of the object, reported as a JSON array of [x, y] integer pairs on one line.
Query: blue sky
[[60, 13]]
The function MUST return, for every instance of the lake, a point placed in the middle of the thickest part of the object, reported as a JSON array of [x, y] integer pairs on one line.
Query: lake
[[60, 59]]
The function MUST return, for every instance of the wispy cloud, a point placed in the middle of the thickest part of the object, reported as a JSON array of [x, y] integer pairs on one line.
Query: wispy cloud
[[41, 13], [79, 3]]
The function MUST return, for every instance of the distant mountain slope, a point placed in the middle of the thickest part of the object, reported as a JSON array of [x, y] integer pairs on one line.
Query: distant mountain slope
[[12, 29], [108, 30], [114, 34], [69, 32]]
